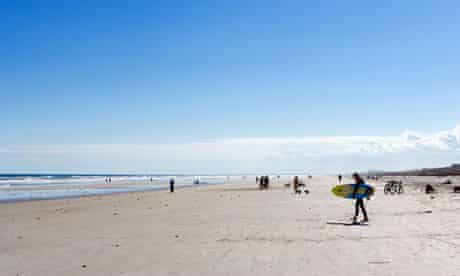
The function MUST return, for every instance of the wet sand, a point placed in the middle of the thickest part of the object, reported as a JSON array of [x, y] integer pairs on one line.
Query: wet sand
[[231, 229]]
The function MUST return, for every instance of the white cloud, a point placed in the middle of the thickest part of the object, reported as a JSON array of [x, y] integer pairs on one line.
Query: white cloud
[[240, 154]]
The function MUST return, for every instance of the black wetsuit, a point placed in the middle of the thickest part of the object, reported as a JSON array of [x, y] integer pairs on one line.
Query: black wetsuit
[[359, 203]]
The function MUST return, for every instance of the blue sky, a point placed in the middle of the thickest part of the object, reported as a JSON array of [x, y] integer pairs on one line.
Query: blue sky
[[167, 73]]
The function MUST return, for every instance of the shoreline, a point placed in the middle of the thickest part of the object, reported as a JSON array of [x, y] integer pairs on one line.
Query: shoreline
[[103, 192]]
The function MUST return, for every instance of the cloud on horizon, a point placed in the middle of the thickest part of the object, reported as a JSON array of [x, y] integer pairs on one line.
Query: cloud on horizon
[[243, 154]]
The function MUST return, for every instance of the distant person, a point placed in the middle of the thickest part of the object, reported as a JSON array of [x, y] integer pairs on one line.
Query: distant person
[[340, 179], [171, 185], [266, 181], [400, 189], [296, 185], [261, 182], [359, 204], [110, 180], [429, 189]]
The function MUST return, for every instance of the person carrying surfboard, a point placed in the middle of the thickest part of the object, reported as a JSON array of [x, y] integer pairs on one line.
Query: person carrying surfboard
[[359, 204]]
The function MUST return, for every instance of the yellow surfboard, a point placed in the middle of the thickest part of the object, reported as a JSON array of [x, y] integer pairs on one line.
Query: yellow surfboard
[[346, 191]]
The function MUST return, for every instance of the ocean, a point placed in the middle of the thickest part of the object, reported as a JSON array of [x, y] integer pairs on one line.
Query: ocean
[[21, 187]]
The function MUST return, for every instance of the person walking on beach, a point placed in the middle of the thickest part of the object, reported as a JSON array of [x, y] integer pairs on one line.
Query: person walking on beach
[[359, 203], [266, 182], [340, 179], [296, 185], [171, 185]]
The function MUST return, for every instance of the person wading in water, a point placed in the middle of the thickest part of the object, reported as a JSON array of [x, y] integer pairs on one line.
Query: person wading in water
[[359, 204]]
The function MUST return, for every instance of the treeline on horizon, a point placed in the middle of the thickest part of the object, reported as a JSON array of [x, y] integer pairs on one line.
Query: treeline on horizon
[[452, 170]]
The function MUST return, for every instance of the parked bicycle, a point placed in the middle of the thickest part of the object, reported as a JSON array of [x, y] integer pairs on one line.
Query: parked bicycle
[[393, 187]]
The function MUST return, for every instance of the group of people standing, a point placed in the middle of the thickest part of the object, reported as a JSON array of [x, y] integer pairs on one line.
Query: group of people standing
[[263, 182]]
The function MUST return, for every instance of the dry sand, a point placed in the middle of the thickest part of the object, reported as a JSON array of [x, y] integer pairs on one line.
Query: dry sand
[[231, 229]]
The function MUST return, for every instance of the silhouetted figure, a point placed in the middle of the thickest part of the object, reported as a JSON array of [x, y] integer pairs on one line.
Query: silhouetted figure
[[429, 189], [399, 188], [171, 185], [340, 179], [264, 182], [296, 185]]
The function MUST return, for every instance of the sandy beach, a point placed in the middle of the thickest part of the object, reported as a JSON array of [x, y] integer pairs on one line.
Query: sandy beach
[[133, 133], [231, 229]]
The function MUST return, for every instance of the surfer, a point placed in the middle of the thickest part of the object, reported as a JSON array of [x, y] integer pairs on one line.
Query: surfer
[[359, 204]]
